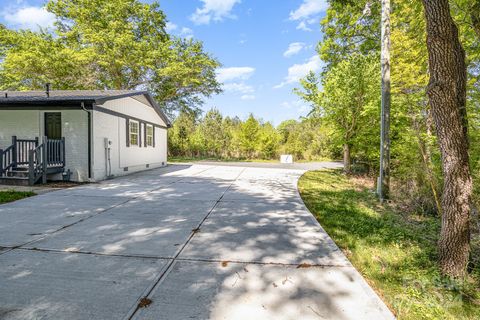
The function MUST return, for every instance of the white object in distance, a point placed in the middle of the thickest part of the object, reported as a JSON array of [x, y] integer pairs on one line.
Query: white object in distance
[[286, 158]]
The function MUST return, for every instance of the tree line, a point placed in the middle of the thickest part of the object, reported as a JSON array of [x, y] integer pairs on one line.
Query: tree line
[[216, 136]]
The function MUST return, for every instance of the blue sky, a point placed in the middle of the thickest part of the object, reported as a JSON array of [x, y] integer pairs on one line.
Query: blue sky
[[264, 46]]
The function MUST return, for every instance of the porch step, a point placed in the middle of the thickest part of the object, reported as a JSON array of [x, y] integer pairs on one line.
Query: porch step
[[14, 181], [20, 173]]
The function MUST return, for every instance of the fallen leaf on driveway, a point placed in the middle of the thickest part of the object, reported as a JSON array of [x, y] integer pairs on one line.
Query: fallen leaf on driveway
[[144, 302], [304, 265]]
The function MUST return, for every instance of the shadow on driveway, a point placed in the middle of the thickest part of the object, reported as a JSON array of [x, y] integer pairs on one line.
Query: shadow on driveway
[[200, 241]]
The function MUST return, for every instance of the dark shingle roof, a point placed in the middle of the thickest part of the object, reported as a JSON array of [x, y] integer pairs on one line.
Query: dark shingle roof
[[65, 95]]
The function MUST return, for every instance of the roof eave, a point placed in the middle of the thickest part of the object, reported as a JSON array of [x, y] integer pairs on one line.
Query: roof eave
[[158, 109], [45, 103], [120, 96]]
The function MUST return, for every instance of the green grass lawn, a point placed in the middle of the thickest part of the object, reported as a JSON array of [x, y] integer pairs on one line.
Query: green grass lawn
[[10, 195], [395, 251]]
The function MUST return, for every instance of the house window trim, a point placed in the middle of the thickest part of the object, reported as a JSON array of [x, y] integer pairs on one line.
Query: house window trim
[[151, 136], [130, 133]]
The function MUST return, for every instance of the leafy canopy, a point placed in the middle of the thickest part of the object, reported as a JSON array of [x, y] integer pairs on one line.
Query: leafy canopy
[[116, 44]]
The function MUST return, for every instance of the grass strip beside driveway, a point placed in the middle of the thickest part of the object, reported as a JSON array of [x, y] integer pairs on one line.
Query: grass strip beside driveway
[[395, 251], [11, 195]]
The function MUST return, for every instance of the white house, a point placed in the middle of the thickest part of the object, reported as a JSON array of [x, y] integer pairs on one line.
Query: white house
[[79, 135]]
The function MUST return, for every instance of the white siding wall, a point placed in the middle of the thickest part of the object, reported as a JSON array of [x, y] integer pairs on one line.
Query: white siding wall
[[135, 158], [23, 124], [75, 131], [29, 124], [134, 108]]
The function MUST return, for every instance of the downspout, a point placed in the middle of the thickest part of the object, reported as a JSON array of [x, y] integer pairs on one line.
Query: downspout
[[89, 122]]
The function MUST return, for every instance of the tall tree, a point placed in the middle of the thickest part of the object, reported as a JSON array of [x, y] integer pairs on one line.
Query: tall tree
[[213, 133], [116, 44], [447, 95], [348, 101], [384, 180], [249, 136]]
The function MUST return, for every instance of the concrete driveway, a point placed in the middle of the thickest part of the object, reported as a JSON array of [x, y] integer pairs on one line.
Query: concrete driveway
[[189, 242]]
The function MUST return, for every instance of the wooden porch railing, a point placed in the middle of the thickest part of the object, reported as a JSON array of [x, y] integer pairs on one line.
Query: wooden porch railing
[[6, 160], [38, 158], [55, 152], [37, 166], [23, 147]]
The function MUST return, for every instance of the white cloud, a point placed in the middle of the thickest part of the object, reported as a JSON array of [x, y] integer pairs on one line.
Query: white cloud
[[303, 26], [234, 78], [307, 13], [293, 49], [243, 39], [215, 10], [298, 71], [169, 27], [238, 87], [29, 18], [234, 73], [309, 8], [186, 32]]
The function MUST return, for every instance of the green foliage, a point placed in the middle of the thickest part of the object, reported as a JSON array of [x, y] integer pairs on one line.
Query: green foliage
[[269, 140], [349, 27], [345, 96], [212, 132], [249, 136], [213, 136], [119, 44], [394, 251], [33, 59], [10, 195], [307, 139], [348, 104]]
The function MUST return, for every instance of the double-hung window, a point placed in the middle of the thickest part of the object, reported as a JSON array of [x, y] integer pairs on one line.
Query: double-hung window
[[149, 135], [134, 132]]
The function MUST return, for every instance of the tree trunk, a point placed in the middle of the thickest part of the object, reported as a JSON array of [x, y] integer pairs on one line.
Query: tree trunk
[[447, 94], [384, 181], [347, 161]]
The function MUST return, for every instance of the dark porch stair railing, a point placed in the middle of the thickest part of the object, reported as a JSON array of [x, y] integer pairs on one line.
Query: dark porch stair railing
[[6, 160], [37, 166], [39, 159], [23, 146]]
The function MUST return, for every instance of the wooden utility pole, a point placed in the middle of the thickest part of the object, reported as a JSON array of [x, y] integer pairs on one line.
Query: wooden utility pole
[[383, 184], [448, 96]]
